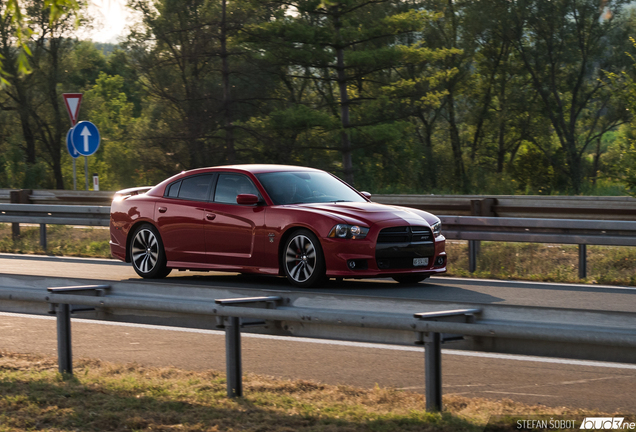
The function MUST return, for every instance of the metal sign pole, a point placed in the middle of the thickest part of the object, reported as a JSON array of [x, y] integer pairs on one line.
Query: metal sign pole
[[74, 175], [86, 170]]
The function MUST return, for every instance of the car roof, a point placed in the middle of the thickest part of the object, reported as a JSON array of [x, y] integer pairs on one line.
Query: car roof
[[159, 189], [253, 168]]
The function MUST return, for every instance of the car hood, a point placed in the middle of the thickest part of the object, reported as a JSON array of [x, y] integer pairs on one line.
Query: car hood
[[369, 213]]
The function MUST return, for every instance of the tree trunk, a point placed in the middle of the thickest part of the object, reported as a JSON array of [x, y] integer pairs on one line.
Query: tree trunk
[[456, 145], [430, 169], [27, 133], [501, 141], [347, 160], [227, 96], [56, 144], [597, 161], [574, 162]]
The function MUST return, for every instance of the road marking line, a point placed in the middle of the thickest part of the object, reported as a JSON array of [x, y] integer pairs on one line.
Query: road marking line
[[514, 357], [594, 379], [518, 394], [504, 282]]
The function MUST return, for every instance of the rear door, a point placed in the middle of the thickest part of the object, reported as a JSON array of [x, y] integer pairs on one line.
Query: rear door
[[180, 217]]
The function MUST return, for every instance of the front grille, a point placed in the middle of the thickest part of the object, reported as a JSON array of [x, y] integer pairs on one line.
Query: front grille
[[397, 246], [405, 234]]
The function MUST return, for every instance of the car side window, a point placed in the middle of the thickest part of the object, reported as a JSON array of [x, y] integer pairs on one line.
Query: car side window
[[231, 185], [196, 188], [173, 189]]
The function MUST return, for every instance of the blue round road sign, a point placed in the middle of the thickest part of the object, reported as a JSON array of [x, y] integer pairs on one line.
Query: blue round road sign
[[85, 138], [69, 145]]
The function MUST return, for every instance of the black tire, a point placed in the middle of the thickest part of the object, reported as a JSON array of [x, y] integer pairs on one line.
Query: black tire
[[147, 255], [302, 259], [410, 279]]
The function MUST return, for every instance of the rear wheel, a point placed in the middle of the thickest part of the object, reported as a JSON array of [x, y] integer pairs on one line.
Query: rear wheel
[[303, 261], [147, 254], [410, 278]]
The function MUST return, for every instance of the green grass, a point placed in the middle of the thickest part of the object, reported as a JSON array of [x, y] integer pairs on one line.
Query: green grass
[[114, 397]]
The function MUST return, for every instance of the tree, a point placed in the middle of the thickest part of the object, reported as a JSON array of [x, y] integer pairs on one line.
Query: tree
[[194, 76], [12, 10], [36, 97], [338, 56], [564, 46]]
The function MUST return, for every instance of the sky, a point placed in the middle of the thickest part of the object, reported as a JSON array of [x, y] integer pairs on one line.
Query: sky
[[110, 20]]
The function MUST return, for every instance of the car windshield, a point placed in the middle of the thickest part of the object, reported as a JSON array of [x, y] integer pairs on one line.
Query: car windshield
[[306, 187]]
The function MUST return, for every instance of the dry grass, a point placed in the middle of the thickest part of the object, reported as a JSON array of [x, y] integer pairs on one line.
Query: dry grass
[[115, 397], [61, 239], [545, 262]]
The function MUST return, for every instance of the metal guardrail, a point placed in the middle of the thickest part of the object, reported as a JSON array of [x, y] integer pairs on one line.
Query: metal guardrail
[[555, 332], [55, 214], [52, 215], [519, 206], [53, 197], [563, 231]]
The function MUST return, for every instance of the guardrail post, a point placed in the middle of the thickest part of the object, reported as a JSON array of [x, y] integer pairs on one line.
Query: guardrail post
[[432, 342], [473, 252], [478, 207], [433, 371], [233, 358], [63, 313], [18, 197], [43, 236], [582, 261], [232, 325], [64, 350]]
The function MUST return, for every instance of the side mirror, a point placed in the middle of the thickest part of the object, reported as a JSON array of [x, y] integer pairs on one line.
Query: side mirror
[[247, 199], [366, 194]]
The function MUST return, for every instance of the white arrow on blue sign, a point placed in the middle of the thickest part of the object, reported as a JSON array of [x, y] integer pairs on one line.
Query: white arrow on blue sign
[[69, 145], [85, 138]]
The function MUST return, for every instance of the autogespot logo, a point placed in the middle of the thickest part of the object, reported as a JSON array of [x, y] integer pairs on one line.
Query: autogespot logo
[[603, 423]]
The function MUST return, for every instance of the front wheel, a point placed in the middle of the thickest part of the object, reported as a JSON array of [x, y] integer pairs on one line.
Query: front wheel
[[410, 278], [147, 254], [302, 260]]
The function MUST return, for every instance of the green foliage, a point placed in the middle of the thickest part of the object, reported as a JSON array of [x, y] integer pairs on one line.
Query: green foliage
[[22, 31], [419, 97], [532, 172], [109, 109]]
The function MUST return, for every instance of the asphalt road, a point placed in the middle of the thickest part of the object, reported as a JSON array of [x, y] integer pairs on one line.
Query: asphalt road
[[596, 297], [554, 382]]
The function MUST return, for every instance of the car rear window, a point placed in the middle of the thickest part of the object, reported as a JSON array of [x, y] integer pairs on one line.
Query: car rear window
[[195, 188]]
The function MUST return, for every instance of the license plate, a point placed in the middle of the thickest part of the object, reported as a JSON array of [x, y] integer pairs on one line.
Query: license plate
[[418, 262]]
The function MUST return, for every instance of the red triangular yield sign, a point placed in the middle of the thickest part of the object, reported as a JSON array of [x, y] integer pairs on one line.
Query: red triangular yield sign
[[73, 101]]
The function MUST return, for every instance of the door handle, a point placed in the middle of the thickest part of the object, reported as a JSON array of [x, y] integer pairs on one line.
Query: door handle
[[162, 209], [210, 216]]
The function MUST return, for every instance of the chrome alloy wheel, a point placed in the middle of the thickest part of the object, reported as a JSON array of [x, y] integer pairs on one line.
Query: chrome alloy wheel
[[300, 258], [145, 251]]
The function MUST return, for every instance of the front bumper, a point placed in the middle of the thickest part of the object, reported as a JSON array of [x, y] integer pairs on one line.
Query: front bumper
[[368, 258]]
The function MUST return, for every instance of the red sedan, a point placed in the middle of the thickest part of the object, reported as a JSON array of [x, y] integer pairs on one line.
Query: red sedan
[[297, 222]]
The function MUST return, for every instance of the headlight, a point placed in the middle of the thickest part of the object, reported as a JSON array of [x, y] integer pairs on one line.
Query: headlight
[[437, 229], [348, 231]]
